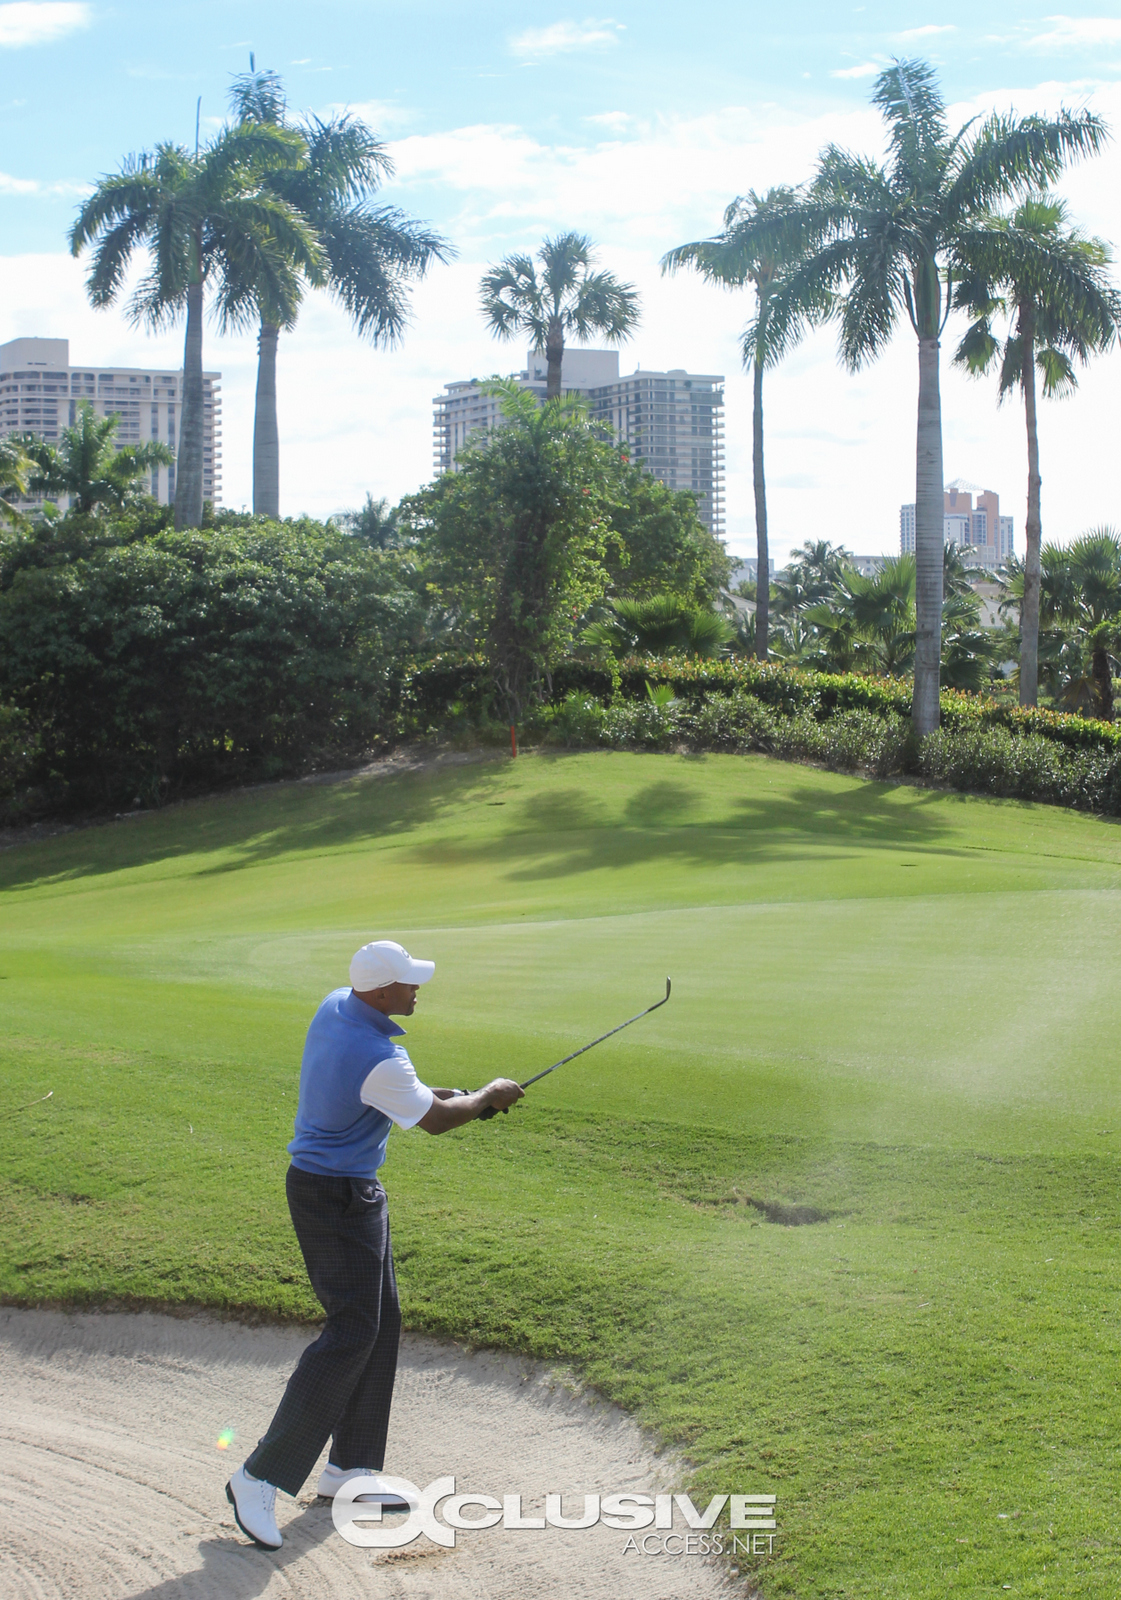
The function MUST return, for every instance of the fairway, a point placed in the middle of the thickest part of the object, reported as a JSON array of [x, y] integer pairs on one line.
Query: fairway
[[896, 1007]]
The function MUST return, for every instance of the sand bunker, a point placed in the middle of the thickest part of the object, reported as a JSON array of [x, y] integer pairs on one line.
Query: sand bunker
[[112, 1481]]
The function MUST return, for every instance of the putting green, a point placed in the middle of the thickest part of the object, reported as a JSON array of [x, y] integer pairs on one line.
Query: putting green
[[894, 1006]]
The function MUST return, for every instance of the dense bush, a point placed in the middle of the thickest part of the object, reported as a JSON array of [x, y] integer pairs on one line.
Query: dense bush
[[179, 661]]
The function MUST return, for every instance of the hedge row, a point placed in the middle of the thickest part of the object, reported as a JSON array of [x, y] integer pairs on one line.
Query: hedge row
[[449, 680], [973, 757]]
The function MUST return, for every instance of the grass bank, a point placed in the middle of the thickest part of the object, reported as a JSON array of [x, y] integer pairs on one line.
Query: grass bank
[[894, 1009]]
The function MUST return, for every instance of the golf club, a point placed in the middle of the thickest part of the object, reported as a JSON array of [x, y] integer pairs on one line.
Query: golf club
[[485, 1116]]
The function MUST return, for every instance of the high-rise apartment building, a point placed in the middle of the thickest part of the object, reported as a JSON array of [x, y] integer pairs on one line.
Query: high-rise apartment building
[[978, 530], [907, 530], [40, 393], [672, 421]]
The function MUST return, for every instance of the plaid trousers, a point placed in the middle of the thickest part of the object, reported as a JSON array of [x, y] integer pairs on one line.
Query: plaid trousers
[[342, 1388]]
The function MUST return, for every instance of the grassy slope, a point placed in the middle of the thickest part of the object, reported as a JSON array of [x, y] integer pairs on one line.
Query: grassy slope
[[894, 1005]]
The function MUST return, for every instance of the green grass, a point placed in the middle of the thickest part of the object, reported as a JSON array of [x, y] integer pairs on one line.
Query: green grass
[[894, 1006]]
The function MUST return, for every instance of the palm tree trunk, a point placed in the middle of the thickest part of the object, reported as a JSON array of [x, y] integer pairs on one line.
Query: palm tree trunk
[[928, 543], [554, 355], [1033, 526], [1101, 671], [763, 564], [266, 435], [188, 466]]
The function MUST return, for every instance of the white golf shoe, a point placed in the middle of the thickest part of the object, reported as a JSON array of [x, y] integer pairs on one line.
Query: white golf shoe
[[254, 1502], [332, 1478]]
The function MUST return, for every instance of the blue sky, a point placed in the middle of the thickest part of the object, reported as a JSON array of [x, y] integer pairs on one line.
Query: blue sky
[[634, 123]]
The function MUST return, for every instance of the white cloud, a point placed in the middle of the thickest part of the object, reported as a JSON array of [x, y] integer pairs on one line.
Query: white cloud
[[867, 69], [1077, 33], [34, 23], [379, 114], [615, 120], [11, 185], [927, 31], [560, 38]]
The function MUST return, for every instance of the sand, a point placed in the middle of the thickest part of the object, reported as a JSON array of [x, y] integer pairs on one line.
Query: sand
[[113, 1482]]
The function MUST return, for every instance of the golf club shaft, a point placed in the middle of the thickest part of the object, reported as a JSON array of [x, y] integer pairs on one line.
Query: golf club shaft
[[491, 1111]]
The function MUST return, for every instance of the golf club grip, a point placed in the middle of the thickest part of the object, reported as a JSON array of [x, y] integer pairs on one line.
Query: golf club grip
[[490, 1111]]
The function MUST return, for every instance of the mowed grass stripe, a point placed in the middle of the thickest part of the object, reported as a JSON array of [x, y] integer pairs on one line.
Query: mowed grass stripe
[[895, 1008]]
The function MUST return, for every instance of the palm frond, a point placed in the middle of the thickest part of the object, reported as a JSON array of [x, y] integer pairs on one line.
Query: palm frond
[[1010, 155], [604, 307]]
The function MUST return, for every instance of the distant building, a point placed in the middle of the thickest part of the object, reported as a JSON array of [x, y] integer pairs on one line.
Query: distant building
[[40, 393], [673, 421], [747, 571], [907, 530], [981, 535]]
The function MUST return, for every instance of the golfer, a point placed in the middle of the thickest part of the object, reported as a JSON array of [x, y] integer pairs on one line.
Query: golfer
[[356, 1081]]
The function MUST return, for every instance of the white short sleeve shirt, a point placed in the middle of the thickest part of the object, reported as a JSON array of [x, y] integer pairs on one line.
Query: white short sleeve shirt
[[393, 1088]]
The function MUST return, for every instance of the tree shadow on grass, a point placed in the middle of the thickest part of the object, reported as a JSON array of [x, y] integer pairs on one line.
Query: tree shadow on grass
[[255, 825], [567, 832], [558, 832]]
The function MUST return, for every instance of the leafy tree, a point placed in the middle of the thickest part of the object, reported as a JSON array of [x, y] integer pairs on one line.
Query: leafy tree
[[208, 221], [1052, 281], [370, 253], [176, 661], [764, 236], [661, 544], [90, 468], [514, 540], [662, 624], [565, 298], [894, 240]]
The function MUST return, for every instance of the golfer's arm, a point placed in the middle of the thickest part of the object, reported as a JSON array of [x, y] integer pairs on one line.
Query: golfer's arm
[[452, 1110]]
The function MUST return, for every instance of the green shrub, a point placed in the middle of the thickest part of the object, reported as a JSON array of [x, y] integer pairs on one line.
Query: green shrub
[[174, 662], [1026, 766], [737, 721]]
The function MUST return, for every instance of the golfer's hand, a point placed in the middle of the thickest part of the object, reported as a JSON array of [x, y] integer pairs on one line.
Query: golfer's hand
[[502, 1093]]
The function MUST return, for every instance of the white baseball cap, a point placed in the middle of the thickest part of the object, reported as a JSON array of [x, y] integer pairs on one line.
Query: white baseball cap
[[384, 962]]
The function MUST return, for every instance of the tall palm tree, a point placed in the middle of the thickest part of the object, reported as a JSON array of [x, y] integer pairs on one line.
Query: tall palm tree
[[370, 252], [763, 237], [565, 297], [88, 467], [207, 221], [892, 247], [1052, 282]]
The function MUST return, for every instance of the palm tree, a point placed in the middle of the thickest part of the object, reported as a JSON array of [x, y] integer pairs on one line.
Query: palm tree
[[15, 465], [370, 252], [870, 622], [1082, 589], [88, 467], [663, 624], [566, 297], [377, 524], [1052, 281], [763, 237], [207, 220], [893, 246]]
